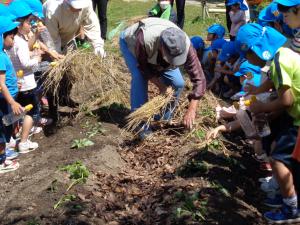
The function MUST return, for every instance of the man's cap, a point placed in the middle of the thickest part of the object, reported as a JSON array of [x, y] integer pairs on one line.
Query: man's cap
[[242, 5], [197, 42], [217, 44], [4, 11], [78, 4], [246, 68], [288, 3], [174, 43], [228, 50], [19, 9], [217, 29], [269, 13], [264, 41]]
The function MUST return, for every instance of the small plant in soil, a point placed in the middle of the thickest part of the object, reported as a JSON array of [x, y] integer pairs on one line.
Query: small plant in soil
[[193, 167], [191, 207], [81, 143], [200, 134], [94, 130], [216, 185], [63, 200]]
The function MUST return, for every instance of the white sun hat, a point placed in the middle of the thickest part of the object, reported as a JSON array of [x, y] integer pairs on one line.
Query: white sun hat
[[78, 4]]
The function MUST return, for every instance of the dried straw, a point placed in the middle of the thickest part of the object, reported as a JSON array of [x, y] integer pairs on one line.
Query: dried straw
[[94, 81], [145, 114]]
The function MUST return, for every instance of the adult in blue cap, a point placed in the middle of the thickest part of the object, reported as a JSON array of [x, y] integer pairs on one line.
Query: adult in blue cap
[[9, 90], [264, 44]]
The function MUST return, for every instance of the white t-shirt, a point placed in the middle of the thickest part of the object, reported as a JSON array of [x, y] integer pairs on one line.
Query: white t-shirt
[[21, 60]]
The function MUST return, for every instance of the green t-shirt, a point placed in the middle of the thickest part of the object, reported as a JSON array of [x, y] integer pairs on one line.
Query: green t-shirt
[[285, 71]]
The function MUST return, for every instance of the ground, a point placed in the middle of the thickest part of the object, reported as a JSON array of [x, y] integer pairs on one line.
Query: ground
[[173, 178]]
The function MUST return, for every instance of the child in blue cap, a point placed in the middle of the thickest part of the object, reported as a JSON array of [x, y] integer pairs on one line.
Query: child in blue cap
[[262, 45], [291, 13], [198, 45], [237, 16], [229, 59], [9, 90]]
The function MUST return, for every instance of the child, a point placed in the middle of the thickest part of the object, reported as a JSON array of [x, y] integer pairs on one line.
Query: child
[[237, 16], [291, 14], [262, 44], [9, 90], [20, 56], [198, 45], [163, 9]]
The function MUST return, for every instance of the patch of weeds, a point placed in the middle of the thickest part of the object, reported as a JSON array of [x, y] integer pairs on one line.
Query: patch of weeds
[[216, 185], [193, 167], [191, 206], [215, 145], [63, 200], [78, 172], [79, 175], [200, 134], [81, 143], [94, 130], [33, 222], [209, 112], [233, 162]]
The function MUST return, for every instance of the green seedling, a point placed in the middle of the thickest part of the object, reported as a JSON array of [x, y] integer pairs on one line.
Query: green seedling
[[220, 188], [78, 173], [97, 129], [64, 199], [81, 143], [191, 206], [215, 144], [200, 134]]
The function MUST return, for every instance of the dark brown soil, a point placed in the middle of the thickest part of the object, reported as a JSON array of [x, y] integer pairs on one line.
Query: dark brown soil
[[131, 182]]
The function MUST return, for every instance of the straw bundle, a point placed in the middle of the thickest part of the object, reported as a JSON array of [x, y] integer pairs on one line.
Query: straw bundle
[[89, 78], [156, 106]]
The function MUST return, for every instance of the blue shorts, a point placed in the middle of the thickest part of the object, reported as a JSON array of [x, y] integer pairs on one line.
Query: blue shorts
[[284, 133], [5, 131]]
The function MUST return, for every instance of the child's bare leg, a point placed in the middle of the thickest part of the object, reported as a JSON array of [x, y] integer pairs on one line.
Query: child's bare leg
[[27, 125]]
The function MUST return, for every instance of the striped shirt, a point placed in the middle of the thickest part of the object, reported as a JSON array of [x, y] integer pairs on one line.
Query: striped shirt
[[295, 43]]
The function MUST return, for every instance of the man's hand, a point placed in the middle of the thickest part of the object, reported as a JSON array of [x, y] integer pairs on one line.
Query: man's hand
[[16, 108], [100, 52], [189, 118]]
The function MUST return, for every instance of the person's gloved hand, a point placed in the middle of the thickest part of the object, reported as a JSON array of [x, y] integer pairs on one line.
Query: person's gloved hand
[[100, 52]]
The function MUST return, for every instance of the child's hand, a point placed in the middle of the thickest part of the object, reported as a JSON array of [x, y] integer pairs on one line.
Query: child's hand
[[212, 134], [17, 108], [257, 107]]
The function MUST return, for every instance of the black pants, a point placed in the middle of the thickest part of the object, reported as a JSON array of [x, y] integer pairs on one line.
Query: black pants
[[102, 8], [180, 4], [228, 21]]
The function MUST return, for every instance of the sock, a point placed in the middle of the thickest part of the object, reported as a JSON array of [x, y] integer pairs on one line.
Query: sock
[[292, 203]]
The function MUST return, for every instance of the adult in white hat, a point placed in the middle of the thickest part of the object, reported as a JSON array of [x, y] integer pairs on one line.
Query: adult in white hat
[[64, 18]]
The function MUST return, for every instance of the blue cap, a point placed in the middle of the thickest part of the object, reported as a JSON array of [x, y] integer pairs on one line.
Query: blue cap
[[264, 41], [228, 50], [217, 29], [36, 6], [269, 13], [247, 67], [5, 26], [19, 9], [4, 11], [197, 42], [242, 5], [217, 44], [288, 3]]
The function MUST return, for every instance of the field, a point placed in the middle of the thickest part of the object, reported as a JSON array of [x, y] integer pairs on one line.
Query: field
[[92, 172]]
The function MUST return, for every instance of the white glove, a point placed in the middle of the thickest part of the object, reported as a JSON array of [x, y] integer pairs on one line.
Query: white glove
[[100, 52]]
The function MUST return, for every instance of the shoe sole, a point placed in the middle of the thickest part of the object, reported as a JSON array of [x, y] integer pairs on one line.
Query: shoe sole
[[27, 151], [289, 221], [273, 206], [10, 169], [11, 158]]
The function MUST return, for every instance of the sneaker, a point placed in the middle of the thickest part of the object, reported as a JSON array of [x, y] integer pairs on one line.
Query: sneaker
[[270, 186], [28, 146], [45, 121], [35, 130], [10, 154], [285, 215], [274, 202], [9, 166], [11, 144]]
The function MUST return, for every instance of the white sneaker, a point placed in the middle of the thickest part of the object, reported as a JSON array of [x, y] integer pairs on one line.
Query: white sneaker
[[28, 146], [11, 144], [9, 166]]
